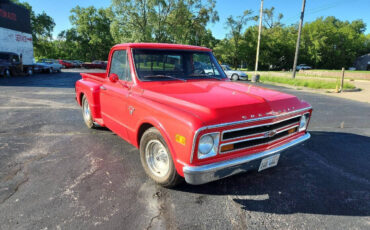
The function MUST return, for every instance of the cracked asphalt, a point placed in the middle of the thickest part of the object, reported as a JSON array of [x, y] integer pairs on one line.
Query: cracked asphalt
[[57, 174]]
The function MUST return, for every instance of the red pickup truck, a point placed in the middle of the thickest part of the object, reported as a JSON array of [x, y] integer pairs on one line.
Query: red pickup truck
[[175, 104]]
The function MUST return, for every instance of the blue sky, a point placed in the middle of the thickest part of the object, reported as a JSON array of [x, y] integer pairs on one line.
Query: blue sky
[[342, 9]]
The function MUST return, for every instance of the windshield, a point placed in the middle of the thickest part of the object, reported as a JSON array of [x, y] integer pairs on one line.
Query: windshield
[[226, 67], [157, 65]]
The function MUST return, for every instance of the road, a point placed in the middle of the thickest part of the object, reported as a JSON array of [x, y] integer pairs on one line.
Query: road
[[57, 174]]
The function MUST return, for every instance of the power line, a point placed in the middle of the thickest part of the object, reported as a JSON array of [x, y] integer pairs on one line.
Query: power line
[[321, 8]]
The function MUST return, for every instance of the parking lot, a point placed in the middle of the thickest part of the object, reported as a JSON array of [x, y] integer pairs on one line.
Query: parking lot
[[57, 174]]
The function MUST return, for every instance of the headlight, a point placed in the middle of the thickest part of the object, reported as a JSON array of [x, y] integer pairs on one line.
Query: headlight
[[208, 145], [304, 121]]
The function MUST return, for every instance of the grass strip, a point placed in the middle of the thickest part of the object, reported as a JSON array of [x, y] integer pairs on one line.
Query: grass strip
[[309, 83]]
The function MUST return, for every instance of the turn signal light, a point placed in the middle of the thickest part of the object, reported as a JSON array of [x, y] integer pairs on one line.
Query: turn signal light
[[226, 148], [292, 130]]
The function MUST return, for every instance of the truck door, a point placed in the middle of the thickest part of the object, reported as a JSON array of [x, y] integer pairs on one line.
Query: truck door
[[113, 95]]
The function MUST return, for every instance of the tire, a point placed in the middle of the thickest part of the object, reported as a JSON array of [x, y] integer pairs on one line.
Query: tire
[[152, 148], [59, 70], [234, 77], [29, 72], [7, 73], [50, 70], [86, 114]]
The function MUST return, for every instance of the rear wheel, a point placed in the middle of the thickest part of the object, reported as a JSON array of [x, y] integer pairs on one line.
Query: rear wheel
[[157, 160], [7, 73], [234, 77], [86, 113]]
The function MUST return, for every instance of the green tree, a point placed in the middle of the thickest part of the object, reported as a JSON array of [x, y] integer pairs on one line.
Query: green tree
[[90, 32], [229, 49], [331, 44], [174, 21]]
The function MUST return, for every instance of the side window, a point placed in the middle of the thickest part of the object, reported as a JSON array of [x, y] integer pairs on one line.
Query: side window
[[120, 66]]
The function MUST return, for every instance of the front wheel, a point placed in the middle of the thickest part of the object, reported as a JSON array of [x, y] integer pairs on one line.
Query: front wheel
[[157, 160], [86, 113], [29, 72]]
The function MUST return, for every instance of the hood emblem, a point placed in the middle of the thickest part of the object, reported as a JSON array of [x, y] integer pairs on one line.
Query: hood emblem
[[271, 113]]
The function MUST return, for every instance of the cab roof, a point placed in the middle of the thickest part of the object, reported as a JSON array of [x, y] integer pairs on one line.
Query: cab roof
[[161, 46]]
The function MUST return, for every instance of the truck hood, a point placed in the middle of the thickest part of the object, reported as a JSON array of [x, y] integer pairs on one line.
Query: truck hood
[[222, 101]]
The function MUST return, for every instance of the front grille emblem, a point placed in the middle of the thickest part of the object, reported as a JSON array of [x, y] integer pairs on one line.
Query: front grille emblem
[[270, 133]]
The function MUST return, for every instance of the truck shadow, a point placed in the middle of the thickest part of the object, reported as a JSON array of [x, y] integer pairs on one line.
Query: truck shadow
[[328, 175], [53, 80]]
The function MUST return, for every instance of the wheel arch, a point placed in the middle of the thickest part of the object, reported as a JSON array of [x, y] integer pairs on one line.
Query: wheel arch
[[80, 96], [147, 124], [152, 122]]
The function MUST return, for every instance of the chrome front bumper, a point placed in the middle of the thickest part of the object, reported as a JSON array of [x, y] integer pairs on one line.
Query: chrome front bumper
[[211, 172]]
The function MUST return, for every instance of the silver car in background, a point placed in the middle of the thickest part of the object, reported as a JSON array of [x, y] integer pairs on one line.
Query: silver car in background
[[54, 65], [234, 74]]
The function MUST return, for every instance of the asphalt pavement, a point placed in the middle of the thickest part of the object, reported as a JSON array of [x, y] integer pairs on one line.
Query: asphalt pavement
[[55, 173]]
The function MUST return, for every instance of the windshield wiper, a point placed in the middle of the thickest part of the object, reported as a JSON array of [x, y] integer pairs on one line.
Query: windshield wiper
[[162, 75]]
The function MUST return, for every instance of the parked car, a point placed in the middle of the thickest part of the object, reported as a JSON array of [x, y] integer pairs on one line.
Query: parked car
[[65, 64], [41, 68], [303, 67], [11, 65], [185, 122], [53, 65], [234, 74], [95, 65], [77, 63]]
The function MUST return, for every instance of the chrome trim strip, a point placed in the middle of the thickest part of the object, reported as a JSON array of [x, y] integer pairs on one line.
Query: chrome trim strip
[[236, 123], [251, 127], [266, 143], [213, 152], [206, 173]]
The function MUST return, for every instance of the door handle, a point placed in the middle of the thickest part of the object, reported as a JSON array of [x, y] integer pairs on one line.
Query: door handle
[[125, 85], [103, 88]]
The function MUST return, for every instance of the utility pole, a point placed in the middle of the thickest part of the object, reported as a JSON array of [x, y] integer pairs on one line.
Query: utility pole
[[298, 39], [259, 39]]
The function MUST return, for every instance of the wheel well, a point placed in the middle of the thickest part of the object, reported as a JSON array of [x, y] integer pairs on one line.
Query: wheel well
[[81, 96], [141, 131]]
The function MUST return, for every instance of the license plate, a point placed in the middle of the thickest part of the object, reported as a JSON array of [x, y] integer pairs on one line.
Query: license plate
[[269, 162]]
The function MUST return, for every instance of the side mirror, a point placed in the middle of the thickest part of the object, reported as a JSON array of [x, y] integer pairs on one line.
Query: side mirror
[[113, 77]]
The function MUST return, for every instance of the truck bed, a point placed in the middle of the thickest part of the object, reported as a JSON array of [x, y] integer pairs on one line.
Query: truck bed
[[94, 76]]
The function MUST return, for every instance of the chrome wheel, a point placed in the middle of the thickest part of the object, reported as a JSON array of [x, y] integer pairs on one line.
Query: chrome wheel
[[86, 112], [157, 158]]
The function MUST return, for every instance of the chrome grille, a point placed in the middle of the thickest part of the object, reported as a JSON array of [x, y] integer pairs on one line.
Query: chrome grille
[[259, 129], [247, 137]]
